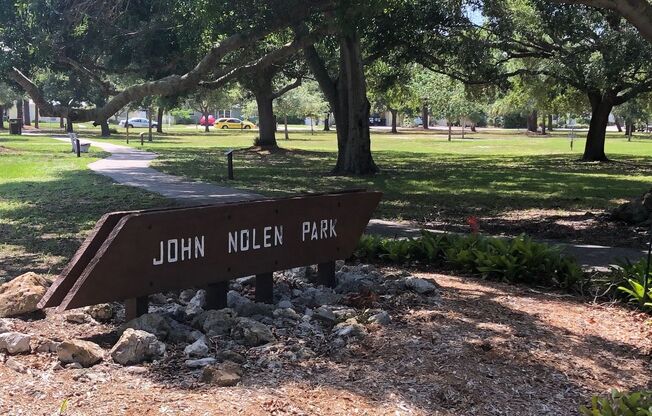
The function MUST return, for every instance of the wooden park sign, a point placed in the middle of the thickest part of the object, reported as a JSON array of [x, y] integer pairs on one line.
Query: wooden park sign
[[132, 254]]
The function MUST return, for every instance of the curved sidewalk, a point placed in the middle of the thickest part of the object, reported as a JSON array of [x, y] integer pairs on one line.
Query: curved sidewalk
[[129, 166]]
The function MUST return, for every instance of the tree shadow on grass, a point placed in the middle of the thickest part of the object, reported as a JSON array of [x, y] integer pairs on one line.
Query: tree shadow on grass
[[42, 223], [421, 186]]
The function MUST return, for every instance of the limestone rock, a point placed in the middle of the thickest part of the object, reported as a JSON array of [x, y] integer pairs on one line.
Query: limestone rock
[[421, 286], [251, 333], [15, 365], [225, 374], [151, 322], [84, 353], [215, 322], [198, 348], [4, 326], [197, 304], [14, 342], [136, 346], [380, 318], [285, 304], [200, 363], [22, 294], [314, 297], [286, 313], [324, 314], [77, 317], [101, 313], [47, 346], [186, 295], [349, 329], [245, 307]]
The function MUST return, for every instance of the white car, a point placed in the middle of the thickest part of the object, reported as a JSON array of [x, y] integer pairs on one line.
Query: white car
[[137, 122]]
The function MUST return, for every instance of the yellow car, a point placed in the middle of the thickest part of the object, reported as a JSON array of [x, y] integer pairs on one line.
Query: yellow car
[[234, 123]]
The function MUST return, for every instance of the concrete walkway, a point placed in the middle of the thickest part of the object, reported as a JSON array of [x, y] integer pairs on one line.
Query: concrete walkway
[[130, 166]]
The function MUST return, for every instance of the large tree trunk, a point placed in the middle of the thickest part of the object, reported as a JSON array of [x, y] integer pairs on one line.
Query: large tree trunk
[[450, 131], [105, 129], [26, 114], [618, 125], [36, 117], [549, 122], [61, 123], [424, 116], [354, 140], [266, 119], [261, 84], [601, 107], [159, 120], [2, 117], [327, 122], [347, 96], [69, 126], [532, 119], [543, 126], [394, 121]]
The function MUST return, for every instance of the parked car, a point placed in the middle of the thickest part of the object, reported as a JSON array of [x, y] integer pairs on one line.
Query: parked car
[[137, 122], [211, 120], [234, 123]]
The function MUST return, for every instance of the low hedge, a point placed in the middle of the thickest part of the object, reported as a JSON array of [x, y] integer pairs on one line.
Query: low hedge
[[517, 260]]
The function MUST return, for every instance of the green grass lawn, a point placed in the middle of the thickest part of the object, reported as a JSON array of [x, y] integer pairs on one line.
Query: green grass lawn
[[424, 177], [49, 200]]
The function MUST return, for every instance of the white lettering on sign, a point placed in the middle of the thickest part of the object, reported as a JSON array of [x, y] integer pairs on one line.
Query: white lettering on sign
[[179, 249], [318, 230], [255, 239]]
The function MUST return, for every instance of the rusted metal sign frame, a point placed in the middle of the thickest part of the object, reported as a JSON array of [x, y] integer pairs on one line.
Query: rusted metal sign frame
[[205, 245]]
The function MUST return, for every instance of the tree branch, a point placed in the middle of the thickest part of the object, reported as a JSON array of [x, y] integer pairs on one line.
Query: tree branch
[[171, 85], [287, 88], [637, 12]]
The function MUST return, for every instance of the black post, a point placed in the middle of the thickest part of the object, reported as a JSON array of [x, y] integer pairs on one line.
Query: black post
[[136, 307], [265, 288], [216, 295], [229, 163], [142, 139], [78, 145], [326, 274]]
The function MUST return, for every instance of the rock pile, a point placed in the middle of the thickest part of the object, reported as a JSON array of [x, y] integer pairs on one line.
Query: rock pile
[[219, 345]]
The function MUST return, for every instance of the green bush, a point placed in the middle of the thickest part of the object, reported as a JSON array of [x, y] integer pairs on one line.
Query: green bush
[[620, 404], [519, 260], [630, 279]]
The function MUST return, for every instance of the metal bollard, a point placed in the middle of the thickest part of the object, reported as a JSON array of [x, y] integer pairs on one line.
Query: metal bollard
[[229, 163]]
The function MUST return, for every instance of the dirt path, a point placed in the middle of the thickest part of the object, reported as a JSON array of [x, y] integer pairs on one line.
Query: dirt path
[[481, 349]]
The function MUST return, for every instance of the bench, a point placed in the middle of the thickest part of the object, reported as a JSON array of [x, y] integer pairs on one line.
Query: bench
[[83, 146]]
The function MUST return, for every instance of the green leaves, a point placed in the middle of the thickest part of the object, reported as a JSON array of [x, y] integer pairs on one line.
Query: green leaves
[[631, 280], [620, 404], [518, 260]]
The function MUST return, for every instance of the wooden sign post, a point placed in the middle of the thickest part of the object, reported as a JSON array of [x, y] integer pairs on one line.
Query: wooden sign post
[[132, 254]]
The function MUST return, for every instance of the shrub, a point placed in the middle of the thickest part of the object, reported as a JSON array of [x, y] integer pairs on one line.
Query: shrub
[[519, 260], [630, 279], [620, 404]]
